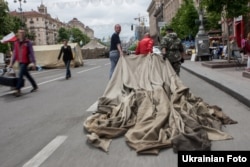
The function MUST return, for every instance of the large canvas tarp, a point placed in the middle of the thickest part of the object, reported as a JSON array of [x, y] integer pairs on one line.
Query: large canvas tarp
[[147, 103], [46, 55], [94, 49]]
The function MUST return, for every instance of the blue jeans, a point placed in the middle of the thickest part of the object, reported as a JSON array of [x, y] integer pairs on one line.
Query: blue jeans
[[67, 65], [23, 71], [114, 57]]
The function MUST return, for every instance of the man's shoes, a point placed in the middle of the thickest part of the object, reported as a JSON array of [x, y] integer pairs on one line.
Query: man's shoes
[[17, 93], [34, 89]]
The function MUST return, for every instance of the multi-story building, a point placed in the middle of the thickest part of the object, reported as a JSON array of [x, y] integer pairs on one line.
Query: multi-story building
[[45, 28], [77, 24], [163, 11]]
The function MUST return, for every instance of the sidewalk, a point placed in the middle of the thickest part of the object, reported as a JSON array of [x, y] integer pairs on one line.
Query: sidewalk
[[229, 80]]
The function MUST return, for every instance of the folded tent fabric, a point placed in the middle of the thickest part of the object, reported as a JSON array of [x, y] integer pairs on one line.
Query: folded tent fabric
[[147, 103]]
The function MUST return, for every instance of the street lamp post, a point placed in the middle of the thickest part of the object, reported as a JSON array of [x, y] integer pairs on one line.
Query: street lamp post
[[202, 40], [20, 8]]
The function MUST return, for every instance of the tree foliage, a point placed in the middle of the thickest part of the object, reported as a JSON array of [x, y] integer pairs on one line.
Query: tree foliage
[[212, 21], [231, 8], [79, 36], [8, 24], [73, 35], [184, 21], [228, 9], [63, 34]]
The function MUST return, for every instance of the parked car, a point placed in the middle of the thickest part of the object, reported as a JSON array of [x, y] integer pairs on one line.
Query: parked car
[[156, 49]]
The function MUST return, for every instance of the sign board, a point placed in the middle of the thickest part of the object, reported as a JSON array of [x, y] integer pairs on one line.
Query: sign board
[[238, 18], [161, 24]]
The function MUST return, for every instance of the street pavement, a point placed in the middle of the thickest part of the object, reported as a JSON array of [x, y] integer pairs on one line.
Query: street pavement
[[229, 80]]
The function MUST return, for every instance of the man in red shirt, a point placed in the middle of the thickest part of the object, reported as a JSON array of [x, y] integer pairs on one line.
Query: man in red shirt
[[24, 54], [145, 46]]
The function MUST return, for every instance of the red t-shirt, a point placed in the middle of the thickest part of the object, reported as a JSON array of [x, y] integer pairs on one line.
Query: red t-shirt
[[145, 46]]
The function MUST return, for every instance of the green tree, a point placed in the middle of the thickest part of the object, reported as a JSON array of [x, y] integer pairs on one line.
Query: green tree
[[8, 24], [79, 36], [73, 35], [228, 9], [63, 33], [184, 21], [212, 21]]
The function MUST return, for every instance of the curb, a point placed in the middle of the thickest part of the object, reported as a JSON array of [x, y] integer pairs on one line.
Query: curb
[[227, 90]]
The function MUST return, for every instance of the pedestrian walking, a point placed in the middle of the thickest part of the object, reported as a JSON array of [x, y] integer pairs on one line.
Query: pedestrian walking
[[67, 57], [115, 49], [145, 46], [173, 50], [24, 54], [247, 51]]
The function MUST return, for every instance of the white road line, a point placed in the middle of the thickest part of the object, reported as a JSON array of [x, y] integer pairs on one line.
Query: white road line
[[88, 69], [28, 87], [48, 81], [41, 83], [93, 107], [107, 64], [44, 71], [47, 151]]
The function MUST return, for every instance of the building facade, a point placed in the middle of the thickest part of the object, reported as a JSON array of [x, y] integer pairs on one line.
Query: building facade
[[160, 12], [45, 28], [77, 24]]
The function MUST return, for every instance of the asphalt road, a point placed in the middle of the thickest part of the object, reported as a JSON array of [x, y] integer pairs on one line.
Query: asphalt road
[[44, 128]]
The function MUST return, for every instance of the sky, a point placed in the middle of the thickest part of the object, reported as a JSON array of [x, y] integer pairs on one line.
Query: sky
[[99, 15]]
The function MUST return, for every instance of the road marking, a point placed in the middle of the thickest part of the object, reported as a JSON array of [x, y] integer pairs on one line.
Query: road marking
[[48, 81], [41, 83], [107, 64], [47, 151], [44, 71], [93, 107], [88, 69]]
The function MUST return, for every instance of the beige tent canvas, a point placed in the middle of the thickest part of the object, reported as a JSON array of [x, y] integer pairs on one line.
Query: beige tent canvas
[[46, 55], [94, 49], [147, 103]]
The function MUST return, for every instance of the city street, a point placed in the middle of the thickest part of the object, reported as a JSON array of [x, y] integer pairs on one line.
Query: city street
[[45, 128]]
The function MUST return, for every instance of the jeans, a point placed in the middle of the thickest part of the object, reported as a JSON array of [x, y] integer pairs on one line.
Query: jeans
[[114, 57], [23, 70], [67, 65]]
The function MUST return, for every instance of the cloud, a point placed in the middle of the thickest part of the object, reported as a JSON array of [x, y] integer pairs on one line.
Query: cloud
[[93, 13]]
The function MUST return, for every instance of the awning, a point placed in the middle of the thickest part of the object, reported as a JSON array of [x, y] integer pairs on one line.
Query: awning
[[9, 38]]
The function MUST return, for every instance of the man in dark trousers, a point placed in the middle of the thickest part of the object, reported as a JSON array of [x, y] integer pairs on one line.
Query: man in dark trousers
[[173, 50], [115, 49], [24, 55], [67, 57]]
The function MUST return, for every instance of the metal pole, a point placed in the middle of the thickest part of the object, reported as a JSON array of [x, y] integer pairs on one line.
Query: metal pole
[[21, 10]]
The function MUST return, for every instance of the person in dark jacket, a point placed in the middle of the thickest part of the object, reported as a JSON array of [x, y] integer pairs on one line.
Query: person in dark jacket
[[24, 54], [67, 57], [115, 49]]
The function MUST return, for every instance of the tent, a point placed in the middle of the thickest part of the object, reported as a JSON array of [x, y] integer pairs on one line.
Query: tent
[[94, 49], [46, 55], [147, 103]]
